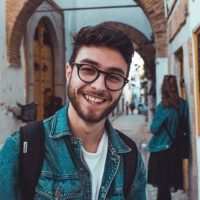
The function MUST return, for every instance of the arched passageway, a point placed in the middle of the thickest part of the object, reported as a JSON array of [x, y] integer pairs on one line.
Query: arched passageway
[[149, 50], [42, 60], [154, 10], [18, 14]]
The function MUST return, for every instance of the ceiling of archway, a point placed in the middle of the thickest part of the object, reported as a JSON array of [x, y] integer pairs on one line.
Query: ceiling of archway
[[154, 10]]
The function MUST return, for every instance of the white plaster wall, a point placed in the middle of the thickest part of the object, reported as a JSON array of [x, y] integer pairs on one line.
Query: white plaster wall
[[180, 38], [180, 41], [161, 70], [187, 70], [2, 60], [186, 33], [74, 20], [194, 7], [12, 84]]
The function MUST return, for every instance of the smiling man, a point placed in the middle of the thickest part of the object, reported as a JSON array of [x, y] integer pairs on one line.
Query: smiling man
[[85, 158]]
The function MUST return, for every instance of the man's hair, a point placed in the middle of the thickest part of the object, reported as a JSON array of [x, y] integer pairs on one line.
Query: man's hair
[[169, 90], [106, 36]]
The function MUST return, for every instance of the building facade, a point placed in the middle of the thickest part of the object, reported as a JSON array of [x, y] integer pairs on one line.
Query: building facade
[[183, 25], [35, 44]]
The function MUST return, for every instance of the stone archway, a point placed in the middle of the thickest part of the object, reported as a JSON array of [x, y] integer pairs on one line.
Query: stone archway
[[20, 31], [18, 13], [154, 10], [54, 22]]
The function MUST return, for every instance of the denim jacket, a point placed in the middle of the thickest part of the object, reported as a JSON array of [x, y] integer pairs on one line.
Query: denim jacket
[[166, 118], [64, 173]]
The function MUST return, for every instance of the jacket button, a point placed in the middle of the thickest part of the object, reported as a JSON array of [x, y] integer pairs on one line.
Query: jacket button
[[58, 192], [82, 169]]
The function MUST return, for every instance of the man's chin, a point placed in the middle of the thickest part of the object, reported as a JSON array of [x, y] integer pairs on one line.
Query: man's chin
[[92, 118]]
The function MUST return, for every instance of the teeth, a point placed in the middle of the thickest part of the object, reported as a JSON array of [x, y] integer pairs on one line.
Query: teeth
[[93, 99]]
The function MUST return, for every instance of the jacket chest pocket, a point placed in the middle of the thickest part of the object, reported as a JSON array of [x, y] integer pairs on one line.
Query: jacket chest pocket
[[115, 194], [58, 188], [115, 197]]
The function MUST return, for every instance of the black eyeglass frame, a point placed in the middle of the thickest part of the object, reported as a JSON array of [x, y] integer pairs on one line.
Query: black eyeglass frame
[[79, 65]]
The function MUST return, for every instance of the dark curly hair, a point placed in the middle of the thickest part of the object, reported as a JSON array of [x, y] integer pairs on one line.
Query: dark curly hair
[[103, 35], [169, 91]]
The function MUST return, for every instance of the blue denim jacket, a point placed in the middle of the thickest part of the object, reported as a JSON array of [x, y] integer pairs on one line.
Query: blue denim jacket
[[64, 173], [168, 116]]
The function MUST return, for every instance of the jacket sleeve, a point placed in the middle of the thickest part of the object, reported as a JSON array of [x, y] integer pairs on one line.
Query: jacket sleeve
[[160, 116], [9, 160], [138, 188]]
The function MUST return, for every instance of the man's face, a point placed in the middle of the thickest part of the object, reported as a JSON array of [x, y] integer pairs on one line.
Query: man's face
[[93, 102]]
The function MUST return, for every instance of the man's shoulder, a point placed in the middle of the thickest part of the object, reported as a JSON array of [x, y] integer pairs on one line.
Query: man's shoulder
[[14, 137], [10, 148]]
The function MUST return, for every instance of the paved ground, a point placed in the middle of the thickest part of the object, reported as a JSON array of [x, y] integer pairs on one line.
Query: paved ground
[[136, 127]]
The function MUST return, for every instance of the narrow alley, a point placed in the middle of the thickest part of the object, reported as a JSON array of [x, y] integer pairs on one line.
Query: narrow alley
[[135, 127], [37, 40]]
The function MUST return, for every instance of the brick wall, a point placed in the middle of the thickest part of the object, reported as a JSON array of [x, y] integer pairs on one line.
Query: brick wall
[[154, 10], [177, 18], [17, 14]]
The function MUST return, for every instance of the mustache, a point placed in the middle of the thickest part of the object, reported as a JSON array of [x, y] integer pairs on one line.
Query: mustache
[[98, 93]]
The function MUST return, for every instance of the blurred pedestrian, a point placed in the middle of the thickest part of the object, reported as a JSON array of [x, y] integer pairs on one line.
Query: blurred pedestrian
[[127, 108], [165, 170], [132, 106]]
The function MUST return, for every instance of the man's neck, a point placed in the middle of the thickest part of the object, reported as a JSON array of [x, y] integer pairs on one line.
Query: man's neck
[[89, 133]]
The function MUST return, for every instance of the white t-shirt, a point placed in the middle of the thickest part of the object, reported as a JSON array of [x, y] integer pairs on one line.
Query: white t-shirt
[[96, 163]]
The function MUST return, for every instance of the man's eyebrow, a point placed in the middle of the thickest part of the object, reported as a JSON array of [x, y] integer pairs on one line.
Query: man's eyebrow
[[89, 61], [116, 70], [110, 69]]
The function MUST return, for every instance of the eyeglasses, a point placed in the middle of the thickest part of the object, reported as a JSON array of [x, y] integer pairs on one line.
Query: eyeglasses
[[88, 74]]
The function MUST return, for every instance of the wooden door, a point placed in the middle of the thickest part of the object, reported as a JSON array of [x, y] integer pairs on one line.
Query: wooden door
[[181, 82], [43, 67]]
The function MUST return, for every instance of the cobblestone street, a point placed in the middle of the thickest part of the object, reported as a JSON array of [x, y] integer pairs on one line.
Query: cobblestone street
[[135, 127]]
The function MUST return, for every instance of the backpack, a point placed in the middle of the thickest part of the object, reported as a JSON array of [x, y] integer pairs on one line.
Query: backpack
[[182, 139], [32, 155], [181, 142]]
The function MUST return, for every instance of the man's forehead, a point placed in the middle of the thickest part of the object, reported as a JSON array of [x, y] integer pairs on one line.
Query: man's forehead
[[102, 57]]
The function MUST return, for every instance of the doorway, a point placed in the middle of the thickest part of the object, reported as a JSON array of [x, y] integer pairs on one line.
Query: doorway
[[43, 67], [197, 73], [180, 77]]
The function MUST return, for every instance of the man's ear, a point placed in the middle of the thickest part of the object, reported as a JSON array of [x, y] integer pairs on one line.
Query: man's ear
[[68, 71]]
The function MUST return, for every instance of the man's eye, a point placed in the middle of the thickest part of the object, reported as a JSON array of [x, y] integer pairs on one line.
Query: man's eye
[[115, 78], [88, 70]]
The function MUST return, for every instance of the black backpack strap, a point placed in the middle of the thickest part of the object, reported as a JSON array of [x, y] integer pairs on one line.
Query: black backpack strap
[[130, 162], [31, 158]]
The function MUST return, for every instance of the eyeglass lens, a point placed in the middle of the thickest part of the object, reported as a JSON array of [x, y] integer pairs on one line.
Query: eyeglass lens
[[89, 74]]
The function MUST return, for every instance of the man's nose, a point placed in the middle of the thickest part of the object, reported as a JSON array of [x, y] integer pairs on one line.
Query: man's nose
[[99, 83]]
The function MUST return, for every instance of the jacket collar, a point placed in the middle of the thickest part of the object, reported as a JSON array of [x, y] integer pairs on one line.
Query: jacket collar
[[60, 127], [60, 124]]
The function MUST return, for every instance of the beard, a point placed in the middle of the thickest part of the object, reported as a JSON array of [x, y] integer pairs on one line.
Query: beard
[[90, 115]]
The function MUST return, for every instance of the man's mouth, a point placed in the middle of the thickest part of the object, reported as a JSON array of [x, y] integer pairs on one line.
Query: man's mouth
[[93, 100]]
